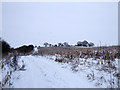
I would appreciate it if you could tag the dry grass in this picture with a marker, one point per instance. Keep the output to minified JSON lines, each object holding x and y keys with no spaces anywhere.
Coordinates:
{"x":105,"y":57}
{"x":105,"y":53}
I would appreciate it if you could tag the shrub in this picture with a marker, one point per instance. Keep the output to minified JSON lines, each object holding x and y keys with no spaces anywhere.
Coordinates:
{"x":5,"y":47}
{"x":25,"y":49}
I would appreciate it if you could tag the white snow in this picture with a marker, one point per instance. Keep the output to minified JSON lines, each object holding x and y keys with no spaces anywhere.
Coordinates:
{"x":45,"y":73}
{"x":35,"y":51}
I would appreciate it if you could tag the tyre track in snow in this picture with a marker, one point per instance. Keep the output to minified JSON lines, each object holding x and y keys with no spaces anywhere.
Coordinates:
{"x":45,"y":66}
{"x":45,"y":73}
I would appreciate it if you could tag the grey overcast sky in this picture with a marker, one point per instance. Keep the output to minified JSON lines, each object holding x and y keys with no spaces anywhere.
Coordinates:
{"x":39,"y":22}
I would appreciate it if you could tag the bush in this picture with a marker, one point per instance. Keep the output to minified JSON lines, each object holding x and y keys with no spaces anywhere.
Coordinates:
{"x":85,"y":44}
{"x":25,"y":49}
{"x":5,"y":47}
{"x":91,"y":44}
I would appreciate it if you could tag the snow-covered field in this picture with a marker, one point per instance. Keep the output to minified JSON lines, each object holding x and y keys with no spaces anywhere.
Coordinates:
{"x":44,"y":72}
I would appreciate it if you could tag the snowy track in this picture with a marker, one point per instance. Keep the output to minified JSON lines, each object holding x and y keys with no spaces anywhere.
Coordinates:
{"x":44,"y":73}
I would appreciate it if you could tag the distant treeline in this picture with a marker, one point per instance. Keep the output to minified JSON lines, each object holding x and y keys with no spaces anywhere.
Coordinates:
{"x":6,"y":48}
{"x":79,"y":43}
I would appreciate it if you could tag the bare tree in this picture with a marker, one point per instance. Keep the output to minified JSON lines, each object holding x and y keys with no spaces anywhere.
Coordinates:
{"x":65,"y":44}
{"x":79,"y":43}
{"x":50,"y":45}
{"x":60,"y":44}
{"x":46,"y":44}
{"x":91,"y":44}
